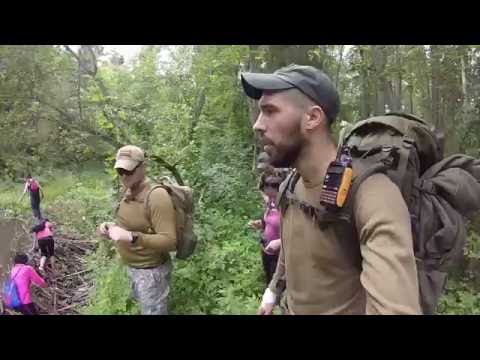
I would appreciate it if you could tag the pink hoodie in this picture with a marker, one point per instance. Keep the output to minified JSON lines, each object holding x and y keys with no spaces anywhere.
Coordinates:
{"x":46,"y":232}
{"x":24,"y":276}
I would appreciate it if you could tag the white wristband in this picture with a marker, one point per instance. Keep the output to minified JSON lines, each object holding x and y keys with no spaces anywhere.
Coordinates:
{"x":269,"y":297}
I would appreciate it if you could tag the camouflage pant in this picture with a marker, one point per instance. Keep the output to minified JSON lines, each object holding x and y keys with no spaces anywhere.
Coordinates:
{"x":151,"y":287}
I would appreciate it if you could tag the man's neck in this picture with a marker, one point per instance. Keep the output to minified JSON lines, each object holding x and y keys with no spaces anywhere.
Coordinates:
{"x":137,"y":188}
{"x":314,"y":160}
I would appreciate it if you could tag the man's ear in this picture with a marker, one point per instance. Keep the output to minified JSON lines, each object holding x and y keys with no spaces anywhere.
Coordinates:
{"x":315,"y":117}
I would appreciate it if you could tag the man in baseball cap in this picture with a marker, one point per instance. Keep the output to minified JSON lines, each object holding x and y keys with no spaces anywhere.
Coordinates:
{"x":143,"y":238}
{"x":322,"y":271}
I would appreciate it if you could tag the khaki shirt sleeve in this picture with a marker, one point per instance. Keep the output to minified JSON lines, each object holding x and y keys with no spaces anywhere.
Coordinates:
{"x":389,"y":273}
{"x":162,"y":215}
{"x":277,"y":284}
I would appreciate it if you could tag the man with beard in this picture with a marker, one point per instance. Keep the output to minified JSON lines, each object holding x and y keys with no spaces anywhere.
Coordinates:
{"x":324,"y":273}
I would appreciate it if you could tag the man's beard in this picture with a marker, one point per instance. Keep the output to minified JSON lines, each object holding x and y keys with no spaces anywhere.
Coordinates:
{"x":285,"y":155}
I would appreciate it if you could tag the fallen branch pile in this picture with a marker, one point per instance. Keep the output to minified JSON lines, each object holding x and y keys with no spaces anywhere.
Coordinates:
{"x":69,"y":285}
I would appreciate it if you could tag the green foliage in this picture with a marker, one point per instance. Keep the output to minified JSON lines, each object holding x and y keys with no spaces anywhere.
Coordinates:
{"x":459,"y":299}
{"x":461,"y":295}
{"x":225,"y":275}
{"x":112,"y":292}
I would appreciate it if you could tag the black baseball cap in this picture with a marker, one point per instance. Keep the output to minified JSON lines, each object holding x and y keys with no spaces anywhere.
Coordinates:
{"x":310,"y":81}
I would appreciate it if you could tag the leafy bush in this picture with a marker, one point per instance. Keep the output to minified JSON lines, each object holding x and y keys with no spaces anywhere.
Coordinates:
{"x":112,"y":293}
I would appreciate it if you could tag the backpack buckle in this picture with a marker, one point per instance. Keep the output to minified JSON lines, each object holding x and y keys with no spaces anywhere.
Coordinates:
{"x":307,"y":209}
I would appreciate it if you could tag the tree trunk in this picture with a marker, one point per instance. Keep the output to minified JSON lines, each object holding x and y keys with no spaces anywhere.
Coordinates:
{"x":397,"y":97}
{"x":383,"y":87}
{"x":252,"y":66}
{"x":197,"y":111}
{"x":365,"y":98}
{"x":399,"y":104}
{"x":410,"y":91}
{"x":435,"y":86}
{"x":321,"y":61}
{"x":339,"y":66}
{"x":423,"y":74}
{"x":79,"y":93}
{"x":464,"y":61}
{"x":33,"y":92}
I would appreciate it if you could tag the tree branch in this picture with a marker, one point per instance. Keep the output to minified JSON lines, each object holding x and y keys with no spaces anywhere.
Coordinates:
{"x":72,"y":53}
{"x":75,"y":125}
{"x":172,"y":168}
{"x":93,"y":58}
{"x":197,"y":111}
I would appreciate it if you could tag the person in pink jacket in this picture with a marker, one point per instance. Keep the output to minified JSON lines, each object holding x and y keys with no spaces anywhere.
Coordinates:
{"x":24,"y":276}
{"x":43,"y":238}
{"x":32,"y":186}
{"x":269,"y":224}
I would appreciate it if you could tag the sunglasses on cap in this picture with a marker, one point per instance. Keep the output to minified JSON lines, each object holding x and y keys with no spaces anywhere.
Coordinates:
{"x":122,"y":172}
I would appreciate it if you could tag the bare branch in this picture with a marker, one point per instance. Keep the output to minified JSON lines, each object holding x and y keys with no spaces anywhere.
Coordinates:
{"x":172,"y":168}
{"x":69,"y":49}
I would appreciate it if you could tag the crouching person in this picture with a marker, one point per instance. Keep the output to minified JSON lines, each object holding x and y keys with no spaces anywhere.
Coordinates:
{"x":16,"y":294}
{"x":144,"y":232}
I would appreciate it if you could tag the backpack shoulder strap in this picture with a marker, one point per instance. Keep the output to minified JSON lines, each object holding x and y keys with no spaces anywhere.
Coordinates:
{"x":12,"y":278}
{"x":117,"y":206}
{"x":359,"y":178}
{"x":287,"y":197}
{"x":287,"y":186}
{"x":147,"y":201}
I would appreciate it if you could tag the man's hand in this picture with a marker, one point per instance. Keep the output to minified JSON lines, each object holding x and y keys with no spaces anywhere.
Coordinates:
{"x":268,"y":303}
{"x":116,"y":233}
{"x":273,"y":247}
{"x":266,"y":309}
{"x":103,"y":229}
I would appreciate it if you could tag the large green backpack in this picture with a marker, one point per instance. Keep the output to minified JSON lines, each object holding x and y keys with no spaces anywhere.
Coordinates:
{"x":439,"y":192}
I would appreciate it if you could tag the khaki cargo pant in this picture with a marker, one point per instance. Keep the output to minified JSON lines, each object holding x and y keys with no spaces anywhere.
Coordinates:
{"x":150,"y":288}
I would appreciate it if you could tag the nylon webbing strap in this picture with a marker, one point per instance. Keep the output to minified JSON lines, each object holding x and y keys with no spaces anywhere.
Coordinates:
{"x":321,"y":215}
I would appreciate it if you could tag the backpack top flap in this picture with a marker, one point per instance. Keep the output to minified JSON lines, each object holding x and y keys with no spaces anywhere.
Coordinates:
{"x":457,"y":180}
{"x":405,"y":125}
